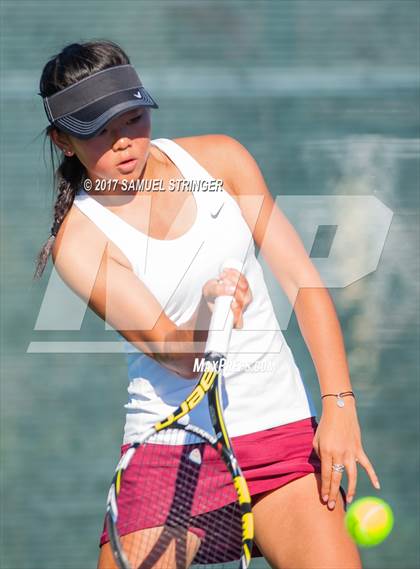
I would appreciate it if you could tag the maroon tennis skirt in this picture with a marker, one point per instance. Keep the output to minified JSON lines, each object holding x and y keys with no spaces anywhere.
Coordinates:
{"x":269,"y":459}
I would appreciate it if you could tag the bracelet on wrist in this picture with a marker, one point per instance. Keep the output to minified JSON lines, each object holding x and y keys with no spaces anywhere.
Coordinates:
{"x":340,"y":396}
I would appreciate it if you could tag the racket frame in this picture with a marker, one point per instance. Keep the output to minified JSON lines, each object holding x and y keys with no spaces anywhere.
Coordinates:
{"x":209,"y":384}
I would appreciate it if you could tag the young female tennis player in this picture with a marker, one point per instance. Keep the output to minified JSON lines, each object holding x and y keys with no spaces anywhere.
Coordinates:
{"x":148,"y":262}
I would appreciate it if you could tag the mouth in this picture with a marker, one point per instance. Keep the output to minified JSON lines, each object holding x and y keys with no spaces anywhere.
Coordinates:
{"x":127,"y":166}
{"x":126,"y":161}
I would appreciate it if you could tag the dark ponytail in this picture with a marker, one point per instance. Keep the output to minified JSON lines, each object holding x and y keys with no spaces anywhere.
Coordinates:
{"x":75,"y":62}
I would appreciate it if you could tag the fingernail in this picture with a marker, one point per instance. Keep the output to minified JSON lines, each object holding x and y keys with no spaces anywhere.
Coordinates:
{"x":325,"y":498}
{"x":349,"y":499}
{"x":331,"y":504}
{"x":231,"y":288}
{"x":377,"y":485}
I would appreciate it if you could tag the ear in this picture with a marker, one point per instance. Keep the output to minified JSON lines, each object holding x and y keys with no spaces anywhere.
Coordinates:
{"x":62,"y":140}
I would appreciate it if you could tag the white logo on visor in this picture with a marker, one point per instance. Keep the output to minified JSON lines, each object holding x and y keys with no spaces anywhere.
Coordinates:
{"x":138,"y":95}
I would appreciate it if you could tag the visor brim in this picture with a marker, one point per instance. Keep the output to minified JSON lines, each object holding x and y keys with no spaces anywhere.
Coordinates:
{"x":89,"y":121}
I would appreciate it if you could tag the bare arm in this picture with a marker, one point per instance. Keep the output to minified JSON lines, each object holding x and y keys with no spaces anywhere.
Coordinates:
{"x":338,"y":437}
{"x":283,"y":250}
{"x":85,"y":261}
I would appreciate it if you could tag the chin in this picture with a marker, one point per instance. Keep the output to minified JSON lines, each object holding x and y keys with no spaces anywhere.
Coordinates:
{"x":129,"y":177}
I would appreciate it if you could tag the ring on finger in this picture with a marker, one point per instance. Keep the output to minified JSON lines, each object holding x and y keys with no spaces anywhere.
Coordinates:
{"x":338,"y":467}
{"x":219,"y":281}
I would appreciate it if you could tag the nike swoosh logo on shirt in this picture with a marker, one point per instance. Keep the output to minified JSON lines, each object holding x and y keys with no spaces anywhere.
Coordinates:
{"x":214,"y":215}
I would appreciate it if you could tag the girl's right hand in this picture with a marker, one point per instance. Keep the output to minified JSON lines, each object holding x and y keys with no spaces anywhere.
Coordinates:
{"x":230,"y":282}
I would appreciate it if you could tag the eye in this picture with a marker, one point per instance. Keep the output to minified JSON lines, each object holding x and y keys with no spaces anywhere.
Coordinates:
{"x":137,"y":118}
{"x":133,"y":120}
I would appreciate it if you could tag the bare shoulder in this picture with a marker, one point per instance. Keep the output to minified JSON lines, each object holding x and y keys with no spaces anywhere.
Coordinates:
{"x":81,"y":251}
{"x":221,"y":155}
{"x":78,"y":237}
{"x":74,"y":236}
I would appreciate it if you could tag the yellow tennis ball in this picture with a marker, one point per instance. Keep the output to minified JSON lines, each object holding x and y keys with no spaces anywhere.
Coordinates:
{"x":369,"y":521}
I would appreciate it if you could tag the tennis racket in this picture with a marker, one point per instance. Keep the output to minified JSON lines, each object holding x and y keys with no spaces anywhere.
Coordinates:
{"x":193,"y":504}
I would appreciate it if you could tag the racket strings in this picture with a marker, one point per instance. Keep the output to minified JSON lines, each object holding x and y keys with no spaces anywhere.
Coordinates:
{"x":177,"y":505}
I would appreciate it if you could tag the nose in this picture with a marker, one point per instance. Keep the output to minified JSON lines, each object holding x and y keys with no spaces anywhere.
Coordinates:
{"x":120,"y":142}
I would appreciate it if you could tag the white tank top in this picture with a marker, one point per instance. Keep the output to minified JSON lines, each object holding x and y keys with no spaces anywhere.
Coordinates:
{"x":263,"y":387}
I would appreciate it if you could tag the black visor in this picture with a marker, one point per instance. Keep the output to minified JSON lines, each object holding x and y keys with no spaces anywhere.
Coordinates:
{"x":84,"y":108}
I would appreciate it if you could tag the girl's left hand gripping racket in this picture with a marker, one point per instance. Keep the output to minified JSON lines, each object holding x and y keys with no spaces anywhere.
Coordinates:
{"x":192,"y":501}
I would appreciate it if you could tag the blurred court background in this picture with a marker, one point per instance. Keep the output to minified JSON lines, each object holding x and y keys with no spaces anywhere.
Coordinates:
{"x":325,"y":94}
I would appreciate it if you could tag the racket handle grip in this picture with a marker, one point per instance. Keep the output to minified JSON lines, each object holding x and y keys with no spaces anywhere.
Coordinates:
{"x":221,"y":323}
